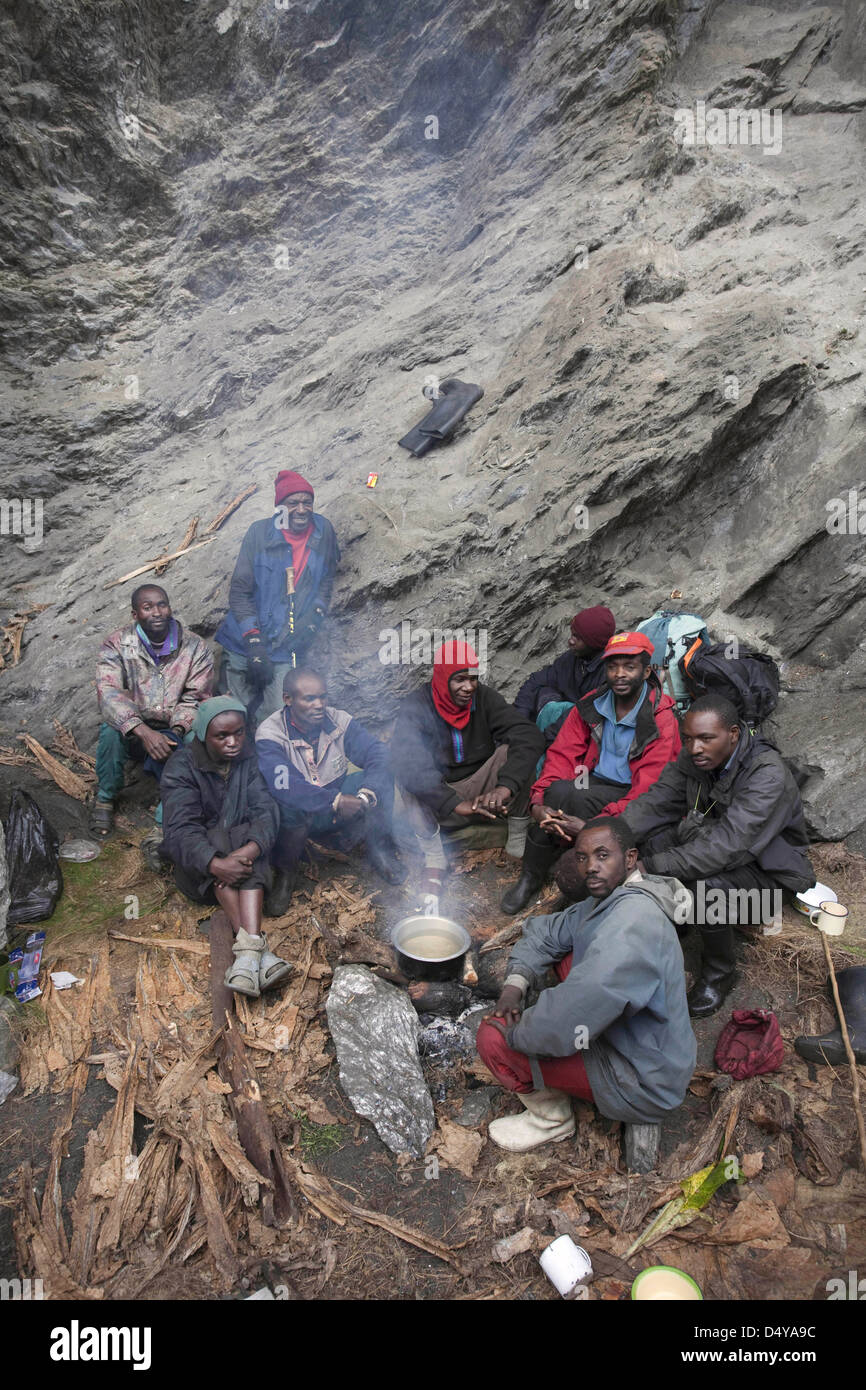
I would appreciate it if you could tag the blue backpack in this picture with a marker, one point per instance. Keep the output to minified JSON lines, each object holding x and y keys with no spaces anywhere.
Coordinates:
{"x":674,"y":636}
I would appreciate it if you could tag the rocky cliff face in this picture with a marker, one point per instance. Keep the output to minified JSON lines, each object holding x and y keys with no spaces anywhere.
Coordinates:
{"x":238,"y":238}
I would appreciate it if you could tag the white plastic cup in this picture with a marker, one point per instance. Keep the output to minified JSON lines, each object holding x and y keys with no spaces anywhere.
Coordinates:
{"x":565,"y":1264}
{"x":829,"y":918}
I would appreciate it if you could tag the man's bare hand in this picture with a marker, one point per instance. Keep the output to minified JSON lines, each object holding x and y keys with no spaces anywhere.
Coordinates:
{"x":473,"y":808}
{"x":495,"y":801}
{"x":155,"y":743}
{"x":509,"y":1005}
{"x":229,"y":870}
{"x":557,"y":823}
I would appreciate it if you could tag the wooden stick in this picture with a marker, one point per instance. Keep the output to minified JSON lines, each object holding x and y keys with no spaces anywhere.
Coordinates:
{"x":189,"y":537}
{"x":852,"y":1062}
{"x":160,"y":560}
{"x":231,"y":507}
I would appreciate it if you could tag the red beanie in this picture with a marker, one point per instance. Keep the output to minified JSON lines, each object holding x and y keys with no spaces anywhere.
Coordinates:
{"x":288,"y":482}
{"x":594,"y":626}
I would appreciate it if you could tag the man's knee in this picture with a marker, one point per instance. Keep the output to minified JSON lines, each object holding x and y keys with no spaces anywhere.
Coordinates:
{"x":491,"y":1044}
{"x":559,"y":795}
{"x":721,"y":899}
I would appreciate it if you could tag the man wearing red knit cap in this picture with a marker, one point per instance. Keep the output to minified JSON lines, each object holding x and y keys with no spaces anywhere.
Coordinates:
{"x":465,"y":755}
{"x":279,"y":594}
{"x":548,"y":694}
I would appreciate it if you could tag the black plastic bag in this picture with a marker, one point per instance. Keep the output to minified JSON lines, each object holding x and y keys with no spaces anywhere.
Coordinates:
{"x":35,"y":880}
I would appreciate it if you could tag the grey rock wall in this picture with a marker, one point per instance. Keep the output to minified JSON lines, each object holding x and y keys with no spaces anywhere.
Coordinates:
{"x":229,"y":248}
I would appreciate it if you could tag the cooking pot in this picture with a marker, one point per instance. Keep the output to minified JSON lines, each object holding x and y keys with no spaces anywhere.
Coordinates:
{"x":430,"y":948}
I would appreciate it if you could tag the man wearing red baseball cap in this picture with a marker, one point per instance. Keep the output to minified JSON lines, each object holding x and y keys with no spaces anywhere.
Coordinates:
{"x":279,"y":594}
{"x":613,"y":746}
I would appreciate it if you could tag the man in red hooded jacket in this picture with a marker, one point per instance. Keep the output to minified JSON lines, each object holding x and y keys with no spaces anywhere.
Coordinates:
{"x":462,"y":754}
{"x":612,"y":747}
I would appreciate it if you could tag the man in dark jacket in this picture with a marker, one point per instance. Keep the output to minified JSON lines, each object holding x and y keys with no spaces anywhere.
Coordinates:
{"x":615,"y":1029}
{"x":463,"y":755}
{"x":304,"y":751}
{"x":549,"y":693}
{"x":279,"y":594}
{"x":219,"y":825}
{"x":612,"y":746}
{"x":725,"y":818}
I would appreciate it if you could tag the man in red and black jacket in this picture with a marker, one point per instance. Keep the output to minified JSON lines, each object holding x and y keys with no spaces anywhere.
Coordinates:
{"x":613,"y":746}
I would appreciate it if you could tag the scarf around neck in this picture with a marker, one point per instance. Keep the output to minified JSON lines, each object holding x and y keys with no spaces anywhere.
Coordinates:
{"x":169,"y":644}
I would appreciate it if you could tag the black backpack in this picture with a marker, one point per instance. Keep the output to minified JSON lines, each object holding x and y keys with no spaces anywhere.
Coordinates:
{"x":750,"y":680}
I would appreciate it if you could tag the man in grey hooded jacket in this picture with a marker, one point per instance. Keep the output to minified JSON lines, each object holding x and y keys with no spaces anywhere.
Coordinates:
{"x":615,"y":1029}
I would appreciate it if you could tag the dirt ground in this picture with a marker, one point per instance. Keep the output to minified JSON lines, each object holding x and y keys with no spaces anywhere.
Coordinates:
{"x":121,"y":1174}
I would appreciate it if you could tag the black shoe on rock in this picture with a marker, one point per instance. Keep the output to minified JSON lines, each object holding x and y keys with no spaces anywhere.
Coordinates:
{"x":521,"y":893}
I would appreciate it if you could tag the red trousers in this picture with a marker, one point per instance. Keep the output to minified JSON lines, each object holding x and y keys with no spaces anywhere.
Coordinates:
{"x":512,"y":1069}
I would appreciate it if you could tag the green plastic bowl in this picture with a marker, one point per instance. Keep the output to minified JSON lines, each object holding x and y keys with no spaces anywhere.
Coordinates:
{"x":691,"y":1294}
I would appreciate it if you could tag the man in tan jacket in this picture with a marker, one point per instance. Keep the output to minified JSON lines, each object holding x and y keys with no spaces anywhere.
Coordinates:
{"x":151,"y":677}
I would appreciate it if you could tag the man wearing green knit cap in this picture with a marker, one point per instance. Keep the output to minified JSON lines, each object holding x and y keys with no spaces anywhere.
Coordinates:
{"x":219,"y":825}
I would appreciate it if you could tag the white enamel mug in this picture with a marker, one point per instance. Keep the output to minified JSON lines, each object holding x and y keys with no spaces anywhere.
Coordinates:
{"x":829,"y":918}
{"x":565,"y":1264}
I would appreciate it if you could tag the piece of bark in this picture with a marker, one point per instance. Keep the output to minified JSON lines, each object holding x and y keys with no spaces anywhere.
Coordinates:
{"x":328,"y":1201}
{"x":518,"y":1244}
{"x":255,"y":1131}
{"x":168,"y":943}
{"x":66,"y":780}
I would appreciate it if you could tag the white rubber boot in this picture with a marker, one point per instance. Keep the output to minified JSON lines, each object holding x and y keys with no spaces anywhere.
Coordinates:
{"x":243,"y":974}
{"x":516,"y":842}
{"x":549,"y":1117}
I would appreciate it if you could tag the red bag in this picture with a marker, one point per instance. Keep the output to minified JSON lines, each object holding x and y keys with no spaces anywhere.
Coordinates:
{"x":750,"y":1044}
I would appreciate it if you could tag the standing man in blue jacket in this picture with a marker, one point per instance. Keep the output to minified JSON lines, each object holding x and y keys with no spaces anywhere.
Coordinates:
{"x":304,"y":752}
{"x":279,"y":593}
{"x":615,"y":1030}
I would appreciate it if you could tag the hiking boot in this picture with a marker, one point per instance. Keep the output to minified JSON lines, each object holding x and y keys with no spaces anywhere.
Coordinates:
{"x":549,"y":1116}
{"x":718,"y":972}
{"x":830,"y":1047}
{"x":278,"y":899}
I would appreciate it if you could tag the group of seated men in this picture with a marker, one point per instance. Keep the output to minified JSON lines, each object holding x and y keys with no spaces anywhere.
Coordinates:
{"x":649,"y":826}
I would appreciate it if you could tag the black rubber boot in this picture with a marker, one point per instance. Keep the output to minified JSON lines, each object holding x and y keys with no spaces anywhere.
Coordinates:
{"x":278,"y":900}
{"x":382,"y":854}
{"x":829,"y":1047}
{"x":535,"y":866}
{"x":718,"y":971}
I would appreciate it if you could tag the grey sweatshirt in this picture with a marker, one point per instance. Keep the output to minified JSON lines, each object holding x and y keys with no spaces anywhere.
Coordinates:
{"x":626,"y":989}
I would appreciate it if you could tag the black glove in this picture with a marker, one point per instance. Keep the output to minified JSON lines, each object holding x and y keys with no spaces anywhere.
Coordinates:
{"x":260,"y":668}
